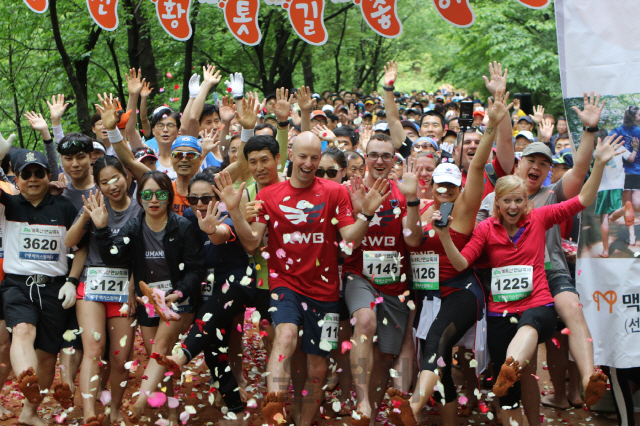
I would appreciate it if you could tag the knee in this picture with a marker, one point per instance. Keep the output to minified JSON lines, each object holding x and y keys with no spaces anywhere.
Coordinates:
{"x":366,"y":322}
{"x":317,"y":368}
{"x":287,"y":335}
{"x":24,"y":331}
{"x":93,"y":350}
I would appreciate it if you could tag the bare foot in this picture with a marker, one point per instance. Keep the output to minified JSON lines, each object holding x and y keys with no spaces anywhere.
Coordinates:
{"x":116,"y":416}
{"x":95,"y":420}
{"x":28,"y":384}
{"x":332,"y":382}
{"x":556,"y":401}
{"x":165,"y":361}
{"x":595,"y":388}
{"x":133,"y":413}
{"x":400,"y":403}
{"x":273,"y":408}
{"x":509,"y":374}
{"x":345,"y":408}
{"x":30,"y":418}
{"x":604,"y":254}
{"x":362,"y":420}
{"x":63,"y":395}
{"x":173,"y":417}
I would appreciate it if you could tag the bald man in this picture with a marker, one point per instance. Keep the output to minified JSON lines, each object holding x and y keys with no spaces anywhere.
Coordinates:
{"x":305,"y":217}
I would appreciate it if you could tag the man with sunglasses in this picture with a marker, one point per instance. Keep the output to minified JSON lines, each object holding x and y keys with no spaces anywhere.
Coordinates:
{"x":378,"y":269}
{"x":36,"y":292}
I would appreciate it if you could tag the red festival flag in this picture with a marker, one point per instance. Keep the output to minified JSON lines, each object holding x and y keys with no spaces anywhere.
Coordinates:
{"x":38,"y":6}
{"x":241,"y":17}
{"x":535,"y":4}
{"x":456,"y":12}
{"x":174,"y":17}
{"x":382,"y":17}
{"x":307,"y":19}
{"x":104,"y":13}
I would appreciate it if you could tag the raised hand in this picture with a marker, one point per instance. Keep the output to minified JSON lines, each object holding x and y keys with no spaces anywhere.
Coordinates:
{"x":227,"y":109}
{"x":635,"y":143}
{"x":283,"y":104}
{"x":146,"y":91}
{"x":352,"y":113}
{"x":375,"y":197}
{"x":5,"y":144}
{"x":210,"y":76}
{"x":108,"y":111}
{"x":516,"y":104}
{"x":36,"y":121}
{"x":546,"y":130}
{"x":250,"y":108}
{"x":590,"y":115}
{"x":97,"y":209}
{"x":440,"y":230}
{"x":390,"y":73}
{"x":57,"y":107}
{"x":356,"y":192}
{"x":134,"y":82}
{"x":324,"y":133}
{"x":605,"y":151}
{"x":209,"y":139}
{"x":499,"y":108}
{"x":409,"y":185}
{"x":209,"y":221}
{"x":235,"y":85}
{"x":225,"y":191}
{"x":194,"y":86}
{"x":304,"y":98}
{"x":538,"y":113}
{"x":498,"y":79}
{"x":365,"y":134}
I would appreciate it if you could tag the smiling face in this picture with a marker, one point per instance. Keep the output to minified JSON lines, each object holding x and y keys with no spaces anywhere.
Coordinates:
{"x":201,"y":188}
{"x":263,"y":166}
{"x":533,"y":169}
{"x":112,"y":184}
{"x":184,"y":166}
{"x":512,"y":206}
{"x":34,"y":188}
{"x":166,"y":130}
{"x":355,"y":167}
{"x":424,"y":171}
{"x":328,"y":163}
{"x":445,"y":192}
{"x":100,"y":131}
{"x":78,"y":166}
{"x":305,"y":156}
{"x":469,"y":147}
{"x":521,"y":143}
{"x":378,"y":166}
{"x":524,"y":125}
{"x":233,"y":150}
{"x":432,"y":126}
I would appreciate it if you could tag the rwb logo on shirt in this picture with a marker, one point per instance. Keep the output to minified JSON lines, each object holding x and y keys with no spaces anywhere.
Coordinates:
{"x":304,"y":212}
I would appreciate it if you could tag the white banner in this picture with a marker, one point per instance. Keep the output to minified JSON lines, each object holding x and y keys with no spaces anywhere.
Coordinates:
{"x":598,"y":53}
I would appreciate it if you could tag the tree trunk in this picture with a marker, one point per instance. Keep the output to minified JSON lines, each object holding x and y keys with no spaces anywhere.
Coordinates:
{"x":140,"y":50}
{"x":120,"y":89}
{"x":307,"y":70}
{"x":188,"y":58}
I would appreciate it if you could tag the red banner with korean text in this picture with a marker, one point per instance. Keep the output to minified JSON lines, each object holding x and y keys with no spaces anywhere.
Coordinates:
{"x":307,"y":19}
{"x":535,"y":4}
{"x":174,"y":17}
{"x":241,"y":17}
{"x":38,"y":6}
{"x":457,"y":13}
{"x":382,"y":17}
{"x":104,"y":13}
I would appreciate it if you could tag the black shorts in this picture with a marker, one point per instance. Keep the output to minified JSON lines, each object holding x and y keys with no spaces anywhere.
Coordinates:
{"x":560,"y":283}
{"x":631,"y":181}
{"x":306,"y":313}
{"x":22,"y":305}
{"x":262,"y":303}
{"x":343,"y":309}
{"x":72,"y":324}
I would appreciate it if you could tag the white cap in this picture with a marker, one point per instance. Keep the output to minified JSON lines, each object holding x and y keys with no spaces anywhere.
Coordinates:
{"x":327,"y":108}
{"x":447,"y":173}
{"x":527,"y":134}
{"x":381,"y":127}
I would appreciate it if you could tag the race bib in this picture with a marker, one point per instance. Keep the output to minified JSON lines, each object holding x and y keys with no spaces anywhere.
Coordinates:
{"x":547,"y":259}
{"x":510,"y":283}
{"x":40,"y":242}
{"x":207,"y":287}
{"x":330,"y":328}
{"x":179,"y":308}
{"x":426,"y":271}
{"x":381,"y":267}
{"x":107,"y":285}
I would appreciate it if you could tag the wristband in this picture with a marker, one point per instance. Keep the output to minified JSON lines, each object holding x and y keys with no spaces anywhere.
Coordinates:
{"x":389,"y":89}
{"x":366,"y":218}
{"x":73,"y":281}
{"x":283,"y":124}
{"x":214,"y":231}
{"x":114,"y":136}
{"x":246,"y":134}
{"x":48,"y":141}
{"x":590,"y":129}
{"x":237,"y":98}
{"x":415,"y":203}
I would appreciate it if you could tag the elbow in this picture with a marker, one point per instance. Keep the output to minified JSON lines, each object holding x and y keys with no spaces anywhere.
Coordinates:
{"x":413,"y":241}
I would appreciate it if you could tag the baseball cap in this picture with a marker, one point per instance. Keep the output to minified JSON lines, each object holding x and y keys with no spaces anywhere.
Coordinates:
{"x":316,"y":96}
{"x":144,"y":153}
{"x":367,"y":114}
{"x":317,"y":113}
{"x":272,"y":116}
{"x":478,"y":112}
{"x":564,"y":157}
{"x":537,"y":148}
{"x":439,"y":98}
{"x":369,"y":101}
{"x":23,"y":157}
{"x":450,"y":132}
{"x":447,"y":172}
{"x":410,"y":124}
{"x":327,"y":108}
{"x":526,"y":118}
{"x":98,"y":146}
{"x":527,"y":134}
{"x":382,"y":126}
{"x":426,"y":139}
{"x":271,"y":96}
{"x":187,"y":141}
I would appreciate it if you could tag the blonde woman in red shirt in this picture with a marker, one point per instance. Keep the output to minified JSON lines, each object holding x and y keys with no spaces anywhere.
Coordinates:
{"x":520,"y":312}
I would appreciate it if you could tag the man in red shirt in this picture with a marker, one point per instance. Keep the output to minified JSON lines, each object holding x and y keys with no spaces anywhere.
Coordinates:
{"x":376,"y":274}
{"x":305,"y":217}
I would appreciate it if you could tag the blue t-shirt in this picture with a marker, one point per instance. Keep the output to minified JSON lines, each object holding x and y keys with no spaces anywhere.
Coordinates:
{"x":628,"y":133}
{"x":152,"y":143}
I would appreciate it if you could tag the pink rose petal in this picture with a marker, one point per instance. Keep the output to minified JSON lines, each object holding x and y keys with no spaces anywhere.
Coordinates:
{"x":172,"y":402}
{"x":346,"y":346}
{"x":280,"y":253}
{"x":157,"y":399}
{"x":105,"y":397}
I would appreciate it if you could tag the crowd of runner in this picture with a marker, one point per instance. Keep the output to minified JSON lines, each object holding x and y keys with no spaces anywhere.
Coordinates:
{"x":370,"y":235}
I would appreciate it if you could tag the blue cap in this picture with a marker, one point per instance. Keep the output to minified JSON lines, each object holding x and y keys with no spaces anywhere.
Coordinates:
{"x":565,"y":156}
{"x":189,"y":141}
{"x":427,"y":139}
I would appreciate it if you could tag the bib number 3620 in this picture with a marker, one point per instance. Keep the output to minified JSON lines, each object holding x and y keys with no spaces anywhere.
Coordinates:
{"x":40,"y":242}
{"x":511,"y":283}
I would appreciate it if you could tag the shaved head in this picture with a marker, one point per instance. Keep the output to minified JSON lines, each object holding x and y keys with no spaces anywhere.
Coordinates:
{"x":305,"y":158}
{"x":307,"y":141}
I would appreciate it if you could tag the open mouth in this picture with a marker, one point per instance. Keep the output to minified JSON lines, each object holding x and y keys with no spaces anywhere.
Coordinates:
{"x":512,"y":214}
{"x":115,"y":194}
{"x":533,"y":176}
{"x":306,"y":172}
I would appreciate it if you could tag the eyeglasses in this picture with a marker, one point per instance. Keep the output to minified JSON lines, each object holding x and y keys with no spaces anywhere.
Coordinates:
{"x":206,"y":199}
{"x":184,"y":154}
{"x":399,"y":161}
{"x":39,"y":174}
{"x":83,"y":145}
{"x":161,"y":194}
{"x":426,"y":145}
{"x":144,"y":151}
{"x":331,"y":173}
{"x":168,"y":126}
{"x":386,"y":157}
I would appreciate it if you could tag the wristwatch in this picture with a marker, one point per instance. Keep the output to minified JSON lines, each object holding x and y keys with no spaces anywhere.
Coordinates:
{"x":590,"y":129}
{"x":389,"y":89}
{"x":73,"y":281}
{"x":415,"y":203}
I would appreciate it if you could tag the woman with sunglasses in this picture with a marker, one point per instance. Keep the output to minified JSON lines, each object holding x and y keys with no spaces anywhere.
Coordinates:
{"x":229,"y":289}
{"x":460,"y":294}
{"x":165,"y":254}
{"x":333,"y":165}
{"x":104,"y":294}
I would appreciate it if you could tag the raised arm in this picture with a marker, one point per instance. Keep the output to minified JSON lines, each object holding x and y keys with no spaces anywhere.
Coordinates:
{"x":409,"y":188}
{"x":248,"y":121}
{"x":227,"y":111}
{"x":353,"y":234}
{"x":199,"y":92}
{"x":283,"y":110}
{"x":504,"y":142}
{"x":458,"y":261}
{"x":393,"y":116}
{"x":38,"y":123}
{"x":57,"y":107}
{"x":134,"y":85}
{"x":604,"y":152}
{"x":305,"y":101}
{"x":573,"y":180}
{"x":144,"y":117}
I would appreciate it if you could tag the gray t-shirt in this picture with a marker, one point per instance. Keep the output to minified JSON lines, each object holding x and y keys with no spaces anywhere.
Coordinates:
{"x":116,"y":221}
{"x":547,"y":195}
{"x":74,"y":196}
{"x":155,"y":262}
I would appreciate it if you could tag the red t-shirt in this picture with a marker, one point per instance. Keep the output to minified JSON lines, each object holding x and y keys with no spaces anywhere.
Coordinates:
{"x":303,"y":242}
{"x":491,"y":239}
{"x":488,"y":186}
{"x":384,"y":234}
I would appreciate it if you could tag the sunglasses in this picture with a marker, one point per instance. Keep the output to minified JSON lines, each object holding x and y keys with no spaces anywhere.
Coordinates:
{"x":161,"y":195}
{"x":183,"y":154}
{"x":206,"y":199}
{"x":142,"y":152}
{"x":331,"y":173}
{"x":83,"y":145}
{"x":39,"y":174}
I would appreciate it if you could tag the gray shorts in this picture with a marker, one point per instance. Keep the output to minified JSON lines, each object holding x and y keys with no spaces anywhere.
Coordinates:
{"x":360,"y":294}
